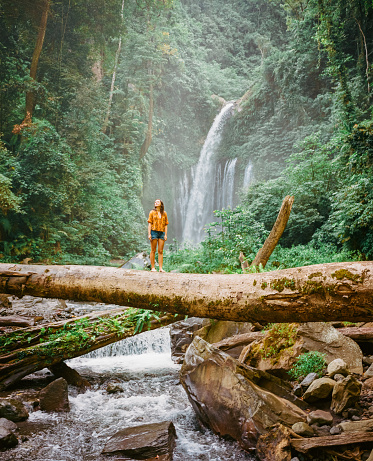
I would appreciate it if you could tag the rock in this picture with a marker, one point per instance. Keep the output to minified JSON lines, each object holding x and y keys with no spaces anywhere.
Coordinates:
{"x":319,"y":417}
{"x":335,"y":430}
{"x":345,"y":394}
{"x":370,"y":457}
{"x":319,"y":336}
{"x":297,"y":390}
{"x":368,"y":384}
{"x":321,"y":431}
{"x":311,"y":336}
{"x":295,"y":459}
{"x":338,"y":377}
{"x":114,"y":387}
{"x":368,"y":360}
{"x":274,"y":445}
{"x":139,"y":261}
{"x":369,"y":372}
{"x":337,"y":366}
{"x":55,"y":397}
{"x":365,"y":425}
{"x":226,"y":397}
{"x":308,"y":380}
{"x":303,"y":429}
{"x":181,"y":334}
{"x":13,"y":409}
{"x":145,"y":441}
{"x":320,"y":389}
{"x":7,"y":437}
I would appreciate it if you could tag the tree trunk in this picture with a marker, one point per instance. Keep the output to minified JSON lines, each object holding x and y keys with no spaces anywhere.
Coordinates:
{"x":277,"y":230}
{"x":117,"y":54}
{"x":30,"y":95}
{"x":148,"y":137}
{"x":323,"y":292}
{"x":27,"y":350}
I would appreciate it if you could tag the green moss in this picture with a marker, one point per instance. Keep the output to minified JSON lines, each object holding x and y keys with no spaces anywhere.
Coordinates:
{"x":345,"y":274}
{"x":254,"y":283}
{"x":311,"y":286}
{"x":264,"y":285}
{"x":315,"y":274}
{"x":280,"y":284}
{"x":279,"y":339}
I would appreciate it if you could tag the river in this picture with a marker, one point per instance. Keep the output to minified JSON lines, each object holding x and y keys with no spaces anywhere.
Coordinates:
{"x":151,"y":393}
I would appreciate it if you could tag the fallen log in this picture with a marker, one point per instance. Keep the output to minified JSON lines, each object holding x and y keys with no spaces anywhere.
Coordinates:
{"x":304,"y":445}
{"x":25,"y":351}
{"x":238,"y":340}
{"x":358,"y":334}
{"x":324,"y":292}
{"x":16,"y":321}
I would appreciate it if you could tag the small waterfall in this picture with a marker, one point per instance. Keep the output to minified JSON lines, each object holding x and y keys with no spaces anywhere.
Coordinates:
{"x":228,"y":184}
{"x":201,"y":200}
{"x":247,"y":179}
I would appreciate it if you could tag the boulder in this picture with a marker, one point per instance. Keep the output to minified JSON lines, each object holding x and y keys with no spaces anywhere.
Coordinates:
{"x":181,"y":335}
{"x":320,"y":389}
{"x":311,"y":336}
{"x":337,"y":366}
{"x":114,"y":387}
{"x":154,"y":440}
{"x":13,"y":409}
{"x":7,"y":437}
{"x":320,"y":417}
{"x":275,"y":444}
{"x":55,"y":396}
{"x":321,"y":337}
{"x":345,"y":394}
{"x":227,"y":396}
{"x":139,"y":261}
{"x":369,"y":372}
{"x":308,"y":380}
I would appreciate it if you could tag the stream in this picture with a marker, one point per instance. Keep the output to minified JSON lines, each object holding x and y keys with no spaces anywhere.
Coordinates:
{"x":151,"y":393}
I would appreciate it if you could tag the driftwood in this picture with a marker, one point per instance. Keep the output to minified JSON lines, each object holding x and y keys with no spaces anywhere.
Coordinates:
{"x":277,"y":230}
{"x":238,"y":340}
{"x":323,"y":292}
{"x":25,"y":351}
{"x":358,"y":334}
{"x":347,"y":438}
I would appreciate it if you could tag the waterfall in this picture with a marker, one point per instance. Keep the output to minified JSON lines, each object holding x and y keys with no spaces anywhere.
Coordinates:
{"x":228,"y":183}
{"x":201,"y":200}
{"x":247,"y":179}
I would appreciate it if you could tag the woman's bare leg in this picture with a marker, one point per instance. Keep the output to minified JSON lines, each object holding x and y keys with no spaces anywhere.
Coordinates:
{"x":160,"y":254}
{"x":153,"y":245}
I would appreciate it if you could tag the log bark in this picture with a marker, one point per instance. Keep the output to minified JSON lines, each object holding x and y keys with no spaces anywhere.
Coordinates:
{"x":35,"y":348}
{"x":277,"y":230}
{"x":324,"y":292}
{"x":16,"y":321}
{"x":238,"y":340}
{"x":30,"y":95}
{"x":304,"y":445}
{"x":358,"y":334}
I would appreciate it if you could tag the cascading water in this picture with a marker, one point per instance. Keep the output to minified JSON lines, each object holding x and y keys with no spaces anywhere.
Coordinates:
{"x":247,"y":179}
{"x":228,"y":183}
{"x":201,"y":200}
{"x":151,"y":393}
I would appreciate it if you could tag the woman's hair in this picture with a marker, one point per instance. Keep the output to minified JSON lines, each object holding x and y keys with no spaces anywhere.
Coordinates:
{"x":162,"y":206}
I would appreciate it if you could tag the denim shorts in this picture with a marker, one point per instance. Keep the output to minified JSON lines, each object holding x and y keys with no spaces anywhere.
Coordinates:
{"x":157,"y":235}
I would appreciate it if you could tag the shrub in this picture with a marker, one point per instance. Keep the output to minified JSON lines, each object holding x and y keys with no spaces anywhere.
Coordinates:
{"x":310,"y":362}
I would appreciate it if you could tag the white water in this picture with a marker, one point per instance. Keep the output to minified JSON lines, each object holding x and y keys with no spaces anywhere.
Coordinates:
{"x":200,"y":207}
{"x":152,"y":393}
{"x":227,"y":189}
{"x":248,"y":175}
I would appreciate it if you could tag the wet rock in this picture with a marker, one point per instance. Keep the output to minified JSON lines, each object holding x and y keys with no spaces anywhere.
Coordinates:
{"x":338,"y":377}
{"x":114,"y":387}
{"x":320,"y":389}
{"x":303,"y":429}
{"x":181,"y":334}
{"x":225,"y":397}
{"x":139,"y":261}
{"x":319,"y":417}
{"x":61,"y":370}
{"x":13,"y":409}
{"x":365,"y":425}
{"x":143,"y":442}
{"x":55,"y":396}
{"x":275,"y":444}
{"x":7,"y":437}
{"x":345,"y":394}
{"x":321,"y":431}
{"x":337,"y":366}
{"x":297,"y":390}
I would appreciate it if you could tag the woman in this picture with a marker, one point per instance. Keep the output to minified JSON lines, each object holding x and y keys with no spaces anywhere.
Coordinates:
{"x":157,"y":233}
